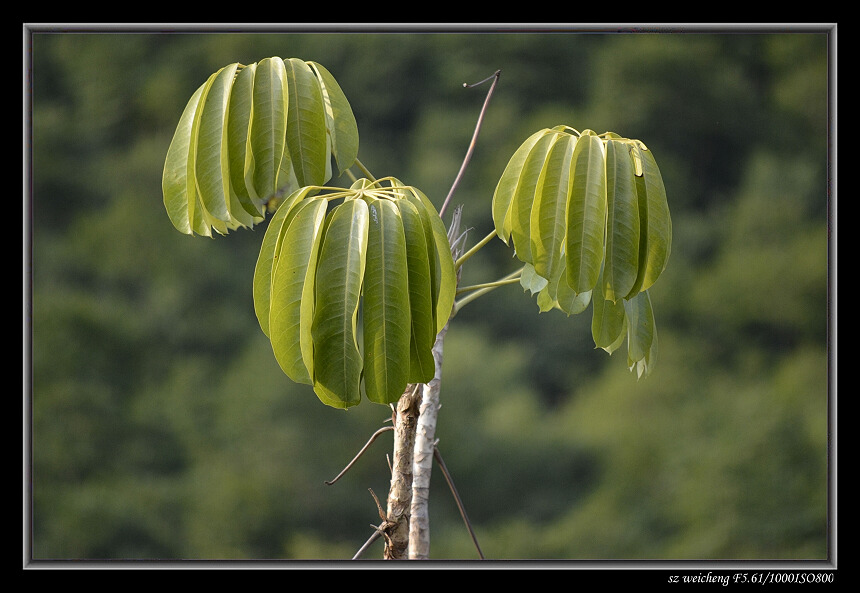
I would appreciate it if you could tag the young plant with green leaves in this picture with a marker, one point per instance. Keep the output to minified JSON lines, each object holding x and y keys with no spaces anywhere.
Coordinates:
{"x":355,"y":287}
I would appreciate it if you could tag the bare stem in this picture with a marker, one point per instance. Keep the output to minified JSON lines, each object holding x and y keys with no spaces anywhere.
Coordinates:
{"x":438,"y":457}
{"x":465,"y":257}
{"x":511,"y":278}
{"x":364,"y":170}
{"x":468,"y":157}
{"x":360,"y":453}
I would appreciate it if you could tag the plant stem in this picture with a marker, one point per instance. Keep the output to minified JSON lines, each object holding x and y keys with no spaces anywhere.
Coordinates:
{"x":460,"y":261}
{"x":495,"y":284}
{"x":469,"y":152}
{"x":479,"y":290}
{"x":364,"y":170}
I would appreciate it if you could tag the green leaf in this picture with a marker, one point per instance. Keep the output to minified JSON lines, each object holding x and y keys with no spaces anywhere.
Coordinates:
{"x":532,"y":173}
{"x":586,"y":214}
{"x":641,"y":329}
{"x":386,"y":313}
{"x":508,"y":184}
{"x":531,"y":281}
{"x":268,"y":130}
{"x":655,"y":222}
{"x":306,"y":124}
{"x":565,"y":298}
{"x":548,"y":222}
{"x":622,"y":229}
{"x":422,"y":366}
{"x":340,"y":120}
{"x":269,"y":251}
{"x":241,"y":158}
{"x":608,"y":322}
{"x":177,"y":182}
{"x":444,"y":278}
{"x":211,"y":164}
{"x":292,"y":298}
{"x":337,"y":360}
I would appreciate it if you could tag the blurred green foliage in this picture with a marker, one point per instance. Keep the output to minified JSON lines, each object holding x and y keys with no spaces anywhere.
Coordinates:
{"x":162,"y":427}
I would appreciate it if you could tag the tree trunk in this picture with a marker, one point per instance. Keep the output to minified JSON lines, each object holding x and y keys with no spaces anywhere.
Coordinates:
{"x":400,"y":494}
{"x":425,"y":443}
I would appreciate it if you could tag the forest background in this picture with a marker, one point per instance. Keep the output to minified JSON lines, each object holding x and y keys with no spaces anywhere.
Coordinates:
{"x":159,"y":425}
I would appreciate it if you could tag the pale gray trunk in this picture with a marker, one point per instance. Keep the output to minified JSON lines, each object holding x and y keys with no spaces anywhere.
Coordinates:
{"x":422,"y":466}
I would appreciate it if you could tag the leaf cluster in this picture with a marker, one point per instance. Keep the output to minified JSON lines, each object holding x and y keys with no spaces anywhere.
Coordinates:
{"x":353,"y":295}
{"x":589,"y":218}
{"x":250,"y":133}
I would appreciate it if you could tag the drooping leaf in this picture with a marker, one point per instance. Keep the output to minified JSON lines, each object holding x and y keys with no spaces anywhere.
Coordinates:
{"x":292,"y":293}
{"x":640,"y":326}
{"x":306,"y":124}
{"x":586,"y":214}
{"x":566,"y":299}
{"x":531,"y":281}
{"x":250,"y":134}
{"x":268,"y":129}
{"x":548,"y":214}
{"x":211,"y":164}
{"x":269,"y":250}
{"x":423,"y":328}
{"x":176,"y":182}
{"x":608,"y":323}
{"x":524,"y":196}
{"x":622,"y":223}
{"x":508,"y":184}
{"x":340,"y":119}
{"x":655,"y":221}
{"x":386,"y":313}
{"x":337,"y":359}
{"x":240,"y":156}
{"x":445,"y":278}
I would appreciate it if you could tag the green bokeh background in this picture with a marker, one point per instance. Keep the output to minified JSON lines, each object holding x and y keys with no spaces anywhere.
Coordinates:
{"x":161,"y":427}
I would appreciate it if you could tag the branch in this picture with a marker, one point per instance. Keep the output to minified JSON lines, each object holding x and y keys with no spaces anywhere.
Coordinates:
{"x":359,"y":454}
{"x":463,"y":258}
{"x":468,"y":157}
{"x":511,"y":278}
{"x":438,"y":456}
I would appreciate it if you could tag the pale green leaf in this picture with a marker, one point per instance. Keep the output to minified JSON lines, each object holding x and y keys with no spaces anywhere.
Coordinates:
{"x":385,"y":313}
{"x":176,"y":183}
{"x":269,"y":250}
{"x":656,"y":222}
{"x":423,"y":329}
{"x":444,"y":278}
{"x":238,"y":125}
{"x":524,"y":196}
{"x":608,"y":323}
{"x":337,"y":360}
{"x":622,"y":227}
{"x":531,"y":281}
{"x":640,"y":326}
{"x":340,"y":120}
{"x":211,"y":163}
{"x":292,"y":293}
{"x":269,"y":125}
{"x":507,"y":186}
{"x":306,"y":124}
{"x":548,"y":215}
{"x":586,"y":214}
{"x":566,"y":299}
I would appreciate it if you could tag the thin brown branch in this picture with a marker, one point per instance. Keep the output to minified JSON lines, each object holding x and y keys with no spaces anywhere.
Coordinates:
{"x":469,"y":152}
{"x":438,"y":457}
{"x":378,"y":531}
{"x":360,"y":453}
